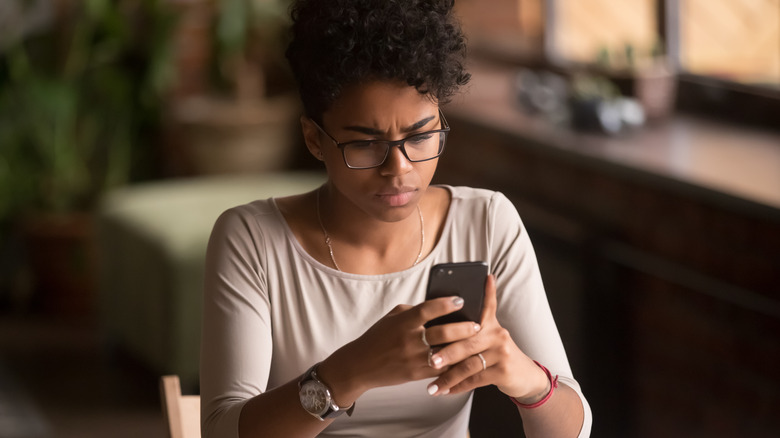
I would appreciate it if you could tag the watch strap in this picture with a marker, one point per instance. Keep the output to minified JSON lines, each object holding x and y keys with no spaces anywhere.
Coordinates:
{"x":333,"y":410}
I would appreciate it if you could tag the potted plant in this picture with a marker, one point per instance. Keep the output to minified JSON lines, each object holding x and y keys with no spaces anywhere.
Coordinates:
{"x":645,"y":75}
{"x":78,"y":101}
{"x":246,"y":121}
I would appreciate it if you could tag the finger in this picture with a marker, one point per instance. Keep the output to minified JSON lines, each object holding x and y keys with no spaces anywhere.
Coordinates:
{"x":491,"y":303}
{"x":453,"y":332}
{"x":424,"y":337}
{"x":459,"y":351}
{"x":399,"y":309}
{"x":481,"y":378}
{"x":470,"y":371}
{"x":432,"y":309}
{"x":473,"y":382}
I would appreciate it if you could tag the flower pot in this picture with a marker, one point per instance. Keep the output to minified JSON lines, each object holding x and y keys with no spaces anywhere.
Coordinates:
{"x":61,"y":256}
{"x":654,"y":88}
{"x":218,"y":136}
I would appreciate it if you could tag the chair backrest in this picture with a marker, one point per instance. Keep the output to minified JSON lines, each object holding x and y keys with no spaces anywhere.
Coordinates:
{"x":181,"y":412}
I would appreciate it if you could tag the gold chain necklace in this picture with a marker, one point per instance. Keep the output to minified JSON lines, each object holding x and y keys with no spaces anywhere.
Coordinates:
{"x":330,"y":248}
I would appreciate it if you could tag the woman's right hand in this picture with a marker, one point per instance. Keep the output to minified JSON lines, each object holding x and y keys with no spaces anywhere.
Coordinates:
{"x":392,"y":351}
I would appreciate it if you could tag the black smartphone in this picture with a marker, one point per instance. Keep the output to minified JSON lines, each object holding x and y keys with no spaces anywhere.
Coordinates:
{"x":463,"y":279}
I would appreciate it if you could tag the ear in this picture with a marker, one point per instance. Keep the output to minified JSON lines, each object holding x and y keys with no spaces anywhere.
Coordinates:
{"x":311,"y":135}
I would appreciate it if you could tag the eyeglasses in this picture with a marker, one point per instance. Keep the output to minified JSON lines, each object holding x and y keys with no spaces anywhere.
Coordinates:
{"x":367,"y":154}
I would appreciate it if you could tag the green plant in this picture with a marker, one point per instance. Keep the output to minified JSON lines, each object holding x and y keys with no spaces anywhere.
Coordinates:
{"x":78,"y":101}
{"x":586,"y":86}
{"x":631,"y":57}
{"x":249,"y":44}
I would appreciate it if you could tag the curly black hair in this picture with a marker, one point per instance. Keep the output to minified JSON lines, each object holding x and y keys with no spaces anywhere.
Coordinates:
{"x":337,"y":43}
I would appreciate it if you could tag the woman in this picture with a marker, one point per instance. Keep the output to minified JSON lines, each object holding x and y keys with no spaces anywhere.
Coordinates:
{"x":314,"y":304}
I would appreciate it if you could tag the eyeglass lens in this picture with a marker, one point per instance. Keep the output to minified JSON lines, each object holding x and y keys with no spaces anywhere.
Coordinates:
{"x":421,"y":147}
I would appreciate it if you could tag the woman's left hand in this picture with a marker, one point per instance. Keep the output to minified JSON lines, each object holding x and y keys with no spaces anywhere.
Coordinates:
{"x":504,"y":365}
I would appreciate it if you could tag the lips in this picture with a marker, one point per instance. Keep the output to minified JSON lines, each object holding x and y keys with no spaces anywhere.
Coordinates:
{"x":397,"y":197}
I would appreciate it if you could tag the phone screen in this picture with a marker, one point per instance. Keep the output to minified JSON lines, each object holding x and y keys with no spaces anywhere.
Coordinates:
{"x":463,"y":279}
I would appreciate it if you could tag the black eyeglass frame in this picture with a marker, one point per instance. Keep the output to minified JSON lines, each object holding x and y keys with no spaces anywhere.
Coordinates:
{"x":391,"y":143}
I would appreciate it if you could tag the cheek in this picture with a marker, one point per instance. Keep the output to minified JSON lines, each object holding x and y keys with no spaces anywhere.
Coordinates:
{"x":426,"y":170}
{"x":350,"y":182}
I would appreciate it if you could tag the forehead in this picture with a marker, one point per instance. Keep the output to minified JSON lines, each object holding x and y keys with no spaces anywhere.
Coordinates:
{"x":380,"y":103}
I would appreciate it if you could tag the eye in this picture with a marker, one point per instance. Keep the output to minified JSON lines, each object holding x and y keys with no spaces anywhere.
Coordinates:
{"x":367,"y":144}
{"x":420,"y":138}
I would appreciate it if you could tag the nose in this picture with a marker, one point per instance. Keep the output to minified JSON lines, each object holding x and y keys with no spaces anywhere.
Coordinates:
{"x":396,"y":163}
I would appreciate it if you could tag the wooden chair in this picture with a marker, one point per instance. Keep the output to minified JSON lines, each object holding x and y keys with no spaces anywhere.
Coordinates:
{"x":181,"y":412}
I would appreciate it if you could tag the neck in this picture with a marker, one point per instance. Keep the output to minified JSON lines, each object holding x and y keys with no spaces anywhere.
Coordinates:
{"x":367,"y":239}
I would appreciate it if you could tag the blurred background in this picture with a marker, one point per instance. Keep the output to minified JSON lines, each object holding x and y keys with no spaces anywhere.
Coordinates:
{"x":639,"y":139}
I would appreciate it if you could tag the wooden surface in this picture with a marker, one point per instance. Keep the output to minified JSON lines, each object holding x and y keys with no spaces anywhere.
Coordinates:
{"x":660,"y":253}
{"x":718,"y":162}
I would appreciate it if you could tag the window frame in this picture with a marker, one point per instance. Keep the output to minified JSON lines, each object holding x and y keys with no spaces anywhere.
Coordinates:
{"x":700,"y":94}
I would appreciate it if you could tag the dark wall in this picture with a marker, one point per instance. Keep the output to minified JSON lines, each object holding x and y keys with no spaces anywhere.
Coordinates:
{"x":668,"y":303}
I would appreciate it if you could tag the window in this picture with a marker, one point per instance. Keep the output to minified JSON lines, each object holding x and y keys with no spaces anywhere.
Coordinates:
{"x":611,"y":33}
{"x":736,"y":40}
{"x":733,"y":40}
{"x":726,"y":53}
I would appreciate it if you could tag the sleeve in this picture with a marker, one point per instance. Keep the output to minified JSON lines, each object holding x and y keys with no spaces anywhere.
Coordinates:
{"x":236,"y":343}
{"x":523,"y":308}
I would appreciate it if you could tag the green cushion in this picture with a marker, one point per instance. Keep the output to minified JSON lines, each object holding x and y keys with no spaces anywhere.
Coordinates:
{"x":152,"y":244}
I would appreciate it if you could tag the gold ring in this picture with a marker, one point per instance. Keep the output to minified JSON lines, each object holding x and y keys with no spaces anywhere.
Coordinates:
{"x":425,"y":341}
{"x":484,"y":364}
{"x":430,"y":355}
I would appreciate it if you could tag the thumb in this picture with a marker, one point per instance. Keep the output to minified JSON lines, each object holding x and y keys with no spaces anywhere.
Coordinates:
{"x":490,"y":304}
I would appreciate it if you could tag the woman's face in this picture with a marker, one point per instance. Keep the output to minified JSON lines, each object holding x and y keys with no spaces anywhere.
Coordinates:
{"x":385,"y":111}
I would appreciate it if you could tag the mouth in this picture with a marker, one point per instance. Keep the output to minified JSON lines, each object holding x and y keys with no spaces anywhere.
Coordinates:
{"x":397,"y":197}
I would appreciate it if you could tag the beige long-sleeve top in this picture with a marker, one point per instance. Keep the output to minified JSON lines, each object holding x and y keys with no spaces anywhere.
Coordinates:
{"x":271,"y":311}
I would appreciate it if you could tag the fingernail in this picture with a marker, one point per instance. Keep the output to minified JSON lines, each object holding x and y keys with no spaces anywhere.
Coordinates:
{"x":458,"y":302}
{"x":436,"y":360}
{"x":432,"y":388}
{"x":445,"y":392}
{"x":477,"y":327}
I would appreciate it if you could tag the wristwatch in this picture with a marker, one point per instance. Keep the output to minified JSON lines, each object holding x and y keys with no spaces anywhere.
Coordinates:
{"x":316,"y":397}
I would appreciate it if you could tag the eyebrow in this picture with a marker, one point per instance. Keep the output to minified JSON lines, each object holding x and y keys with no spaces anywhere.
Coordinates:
{"x":374,"y":131}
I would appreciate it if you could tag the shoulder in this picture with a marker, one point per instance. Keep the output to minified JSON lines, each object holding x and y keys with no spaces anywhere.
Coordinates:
{"x":477,"y":199}
{"x":249,"y":211}
{"x":487,"y":210}
{"x":465,"y":192}
{"x":250,"y":218}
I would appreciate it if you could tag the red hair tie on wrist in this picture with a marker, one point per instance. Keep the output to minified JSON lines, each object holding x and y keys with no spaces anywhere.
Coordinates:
{"x":553,"y":385}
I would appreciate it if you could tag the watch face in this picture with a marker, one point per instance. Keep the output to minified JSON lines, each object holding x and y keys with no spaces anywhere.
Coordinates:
{"x":315,"y":398}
